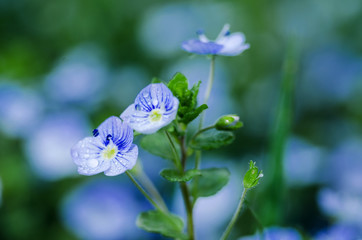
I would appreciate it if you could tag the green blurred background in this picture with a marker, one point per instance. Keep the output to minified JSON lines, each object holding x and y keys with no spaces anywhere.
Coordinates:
{"x":65,"y":66}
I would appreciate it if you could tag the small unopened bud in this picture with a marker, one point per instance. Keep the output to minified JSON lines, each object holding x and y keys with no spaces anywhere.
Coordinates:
{"x":252,"y":176}
{"x":228,"y":122}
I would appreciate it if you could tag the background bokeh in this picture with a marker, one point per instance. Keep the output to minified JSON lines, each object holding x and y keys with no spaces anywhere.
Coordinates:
{"x":66,"y":65}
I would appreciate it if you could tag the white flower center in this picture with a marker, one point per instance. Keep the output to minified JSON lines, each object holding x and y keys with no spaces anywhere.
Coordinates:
{"x":155,"y":115}
{"x":110,"y":151}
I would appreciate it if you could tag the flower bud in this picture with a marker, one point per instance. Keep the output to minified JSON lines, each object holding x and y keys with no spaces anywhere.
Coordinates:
{"x":252,"y":176}
{"x":228,"y":122}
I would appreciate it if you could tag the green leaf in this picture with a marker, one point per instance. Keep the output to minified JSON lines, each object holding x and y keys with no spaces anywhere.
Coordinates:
{"x":191,"y":115}
{"x":210,"y":182}
{"x":178,"y":85}
{"x":156,"y":221}
{"x":212,"y":139}
{"x":159,"y":145}
{"x":194,"y":92}
{"x":173,"y":175}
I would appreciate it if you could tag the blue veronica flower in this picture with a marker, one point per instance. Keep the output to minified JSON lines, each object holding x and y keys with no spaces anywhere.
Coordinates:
{"x":154,"y":108}
{"x":227,"y":44}
{"x":110,"y":150}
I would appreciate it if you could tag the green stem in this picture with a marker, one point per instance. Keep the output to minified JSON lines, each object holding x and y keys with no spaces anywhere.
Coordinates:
{"x":202,"y":130}
{"x":189,"y":210}
{"x":235,"y":216}
{"x":144,"y":192}
{"x":177,"y":161}
{"x":209,"y":87}
{"x":184,"y":189}
{"x":197,"y":159}
{"x":151,"y":188}
{"x":210,"y":82}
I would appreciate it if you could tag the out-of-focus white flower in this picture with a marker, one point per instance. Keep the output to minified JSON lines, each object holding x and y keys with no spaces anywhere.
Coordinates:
{"x":154,"y":107}
{"x":48,"y":145}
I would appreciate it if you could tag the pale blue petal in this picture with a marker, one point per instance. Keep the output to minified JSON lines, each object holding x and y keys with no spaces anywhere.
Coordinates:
{"x":203,"y":48}
{"x":233,"y":44}
{"x":123,"y":161}
{"x":86,"y":155}
{"x":154,"y":96}
{"x":121,"y":134}
{"x":224,"y":32}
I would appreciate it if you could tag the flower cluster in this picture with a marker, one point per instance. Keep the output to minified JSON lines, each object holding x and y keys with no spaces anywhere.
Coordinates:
{"x":111,"y":150}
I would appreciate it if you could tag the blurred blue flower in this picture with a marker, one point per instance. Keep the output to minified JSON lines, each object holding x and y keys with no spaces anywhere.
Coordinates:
{"x":345,"y":161}
{"x":344,"y":206}
{"x":331,"y":76}
{"x":110,"y":150}
{"x":300,"y":152}
{"x":20,"y":110}
{"x":154,"y":108}
{"x":225,"y":44}
{"x":339,"y":232}
{"x":47,"y":147}
{"x":103,"y":210}
{"x":79,"y":76}
{"x":275,"y":233}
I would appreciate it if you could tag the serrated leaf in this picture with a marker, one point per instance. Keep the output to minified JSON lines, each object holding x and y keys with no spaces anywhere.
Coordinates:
{"x":194,"y":92}
{"x":178,"y":85}
{"x":166,"y":224}
{"x":159,"y":145}
{"x":191,"y":115}
{"x":212,"y":139}
{"x":210,"y":182}
{"x":173,"y":175}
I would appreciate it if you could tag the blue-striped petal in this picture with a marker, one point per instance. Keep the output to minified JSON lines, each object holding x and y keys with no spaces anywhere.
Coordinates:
{"x":154,"y":108}
{"x":86,"y":155}
{"x":114,"y":129}
{"x":123,"y":161}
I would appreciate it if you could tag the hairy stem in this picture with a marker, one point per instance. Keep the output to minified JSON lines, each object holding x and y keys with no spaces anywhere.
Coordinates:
{"x":151,"y":188}
{"x":140,"y":188}
{"x":235,"y":216}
